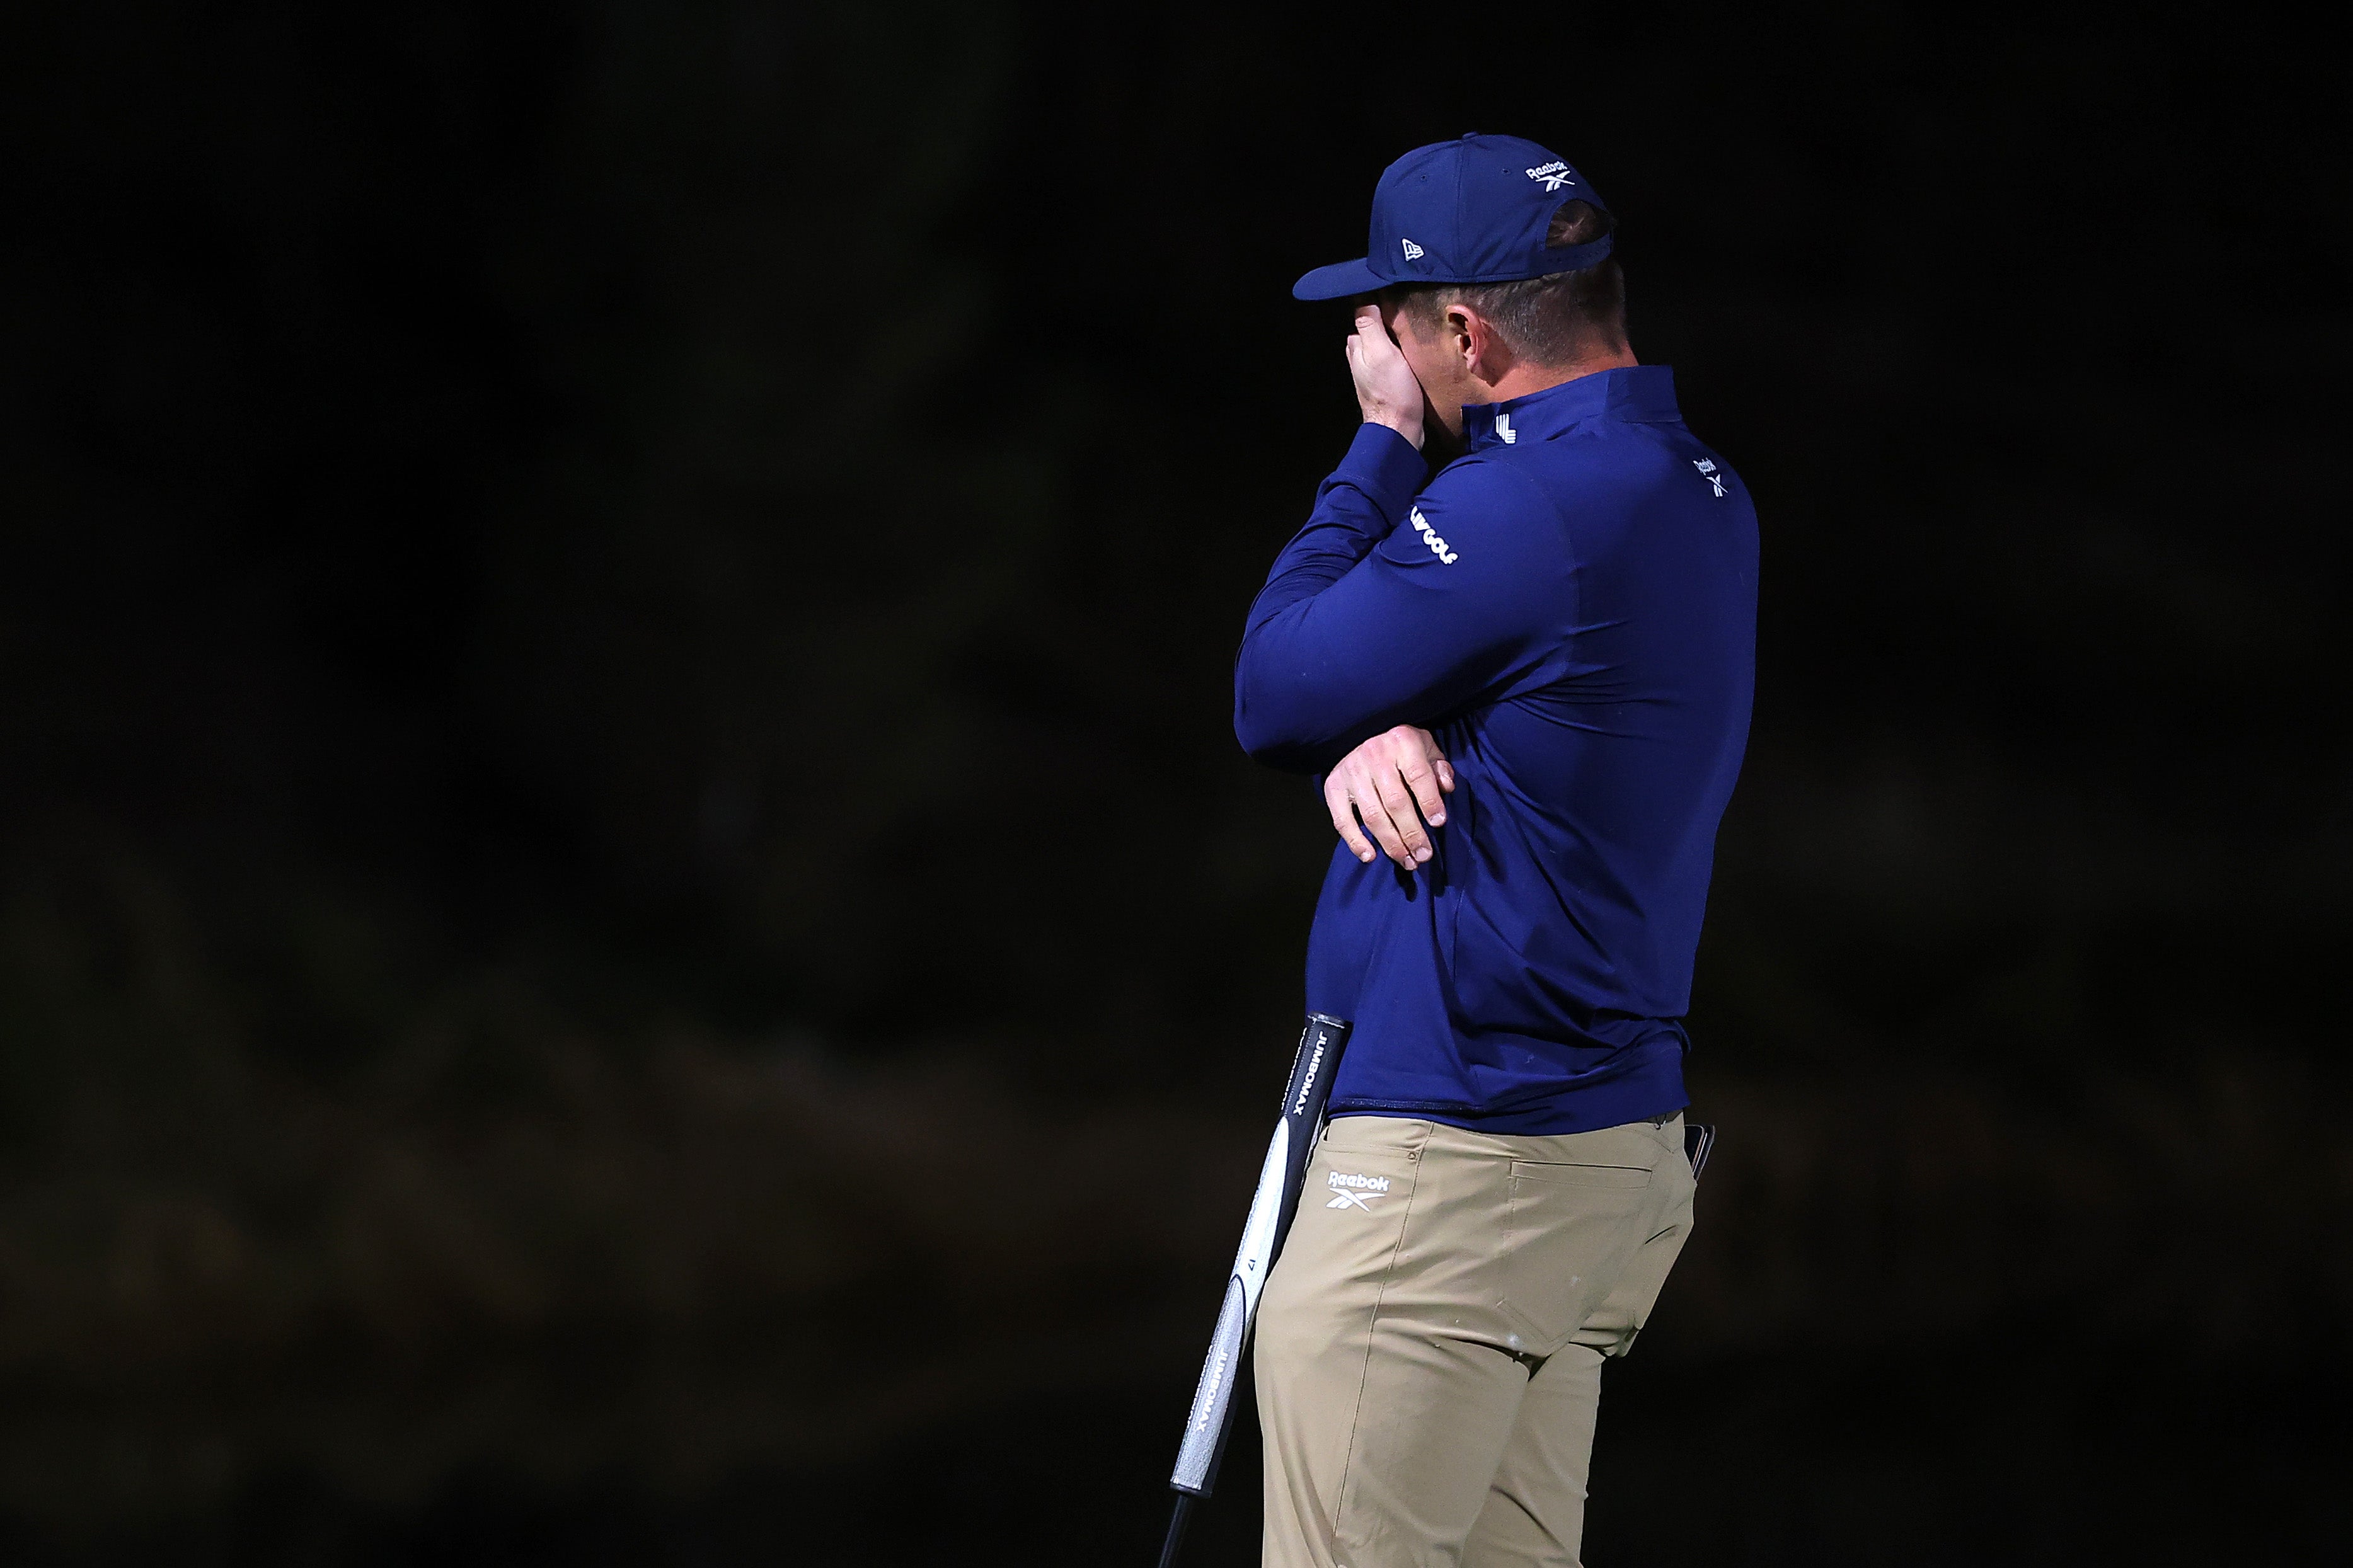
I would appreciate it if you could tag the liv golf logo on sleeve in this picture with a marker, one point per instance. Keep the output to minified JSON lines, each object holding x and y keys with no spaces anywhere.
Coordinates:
{"x":1432,"y":537}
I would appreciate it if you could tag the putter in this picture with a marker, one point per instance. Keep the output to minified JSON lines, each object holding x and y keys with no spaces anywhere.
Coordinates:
{"x":1270,"y":1221}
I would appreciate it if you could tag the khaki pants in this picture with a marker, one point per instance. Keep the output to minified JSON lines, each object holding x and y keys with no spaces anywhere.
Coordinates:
{"x":1430,"y":1343}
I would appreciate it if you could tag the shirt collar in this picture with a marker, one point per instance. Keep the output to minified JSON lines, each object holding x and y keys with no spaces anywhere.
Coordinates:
{"x":1642,"y":393}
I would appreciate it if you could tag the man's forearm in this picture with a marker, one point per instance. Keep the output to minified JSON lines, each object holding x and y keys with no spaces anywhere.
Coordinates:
{"x":1280,"y":714}
{"x":1357,"y":506}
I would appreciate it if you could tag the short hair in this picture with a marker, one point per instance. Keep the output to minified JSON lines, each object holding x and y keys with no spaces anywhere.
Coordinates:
{"x":1547,"y":320}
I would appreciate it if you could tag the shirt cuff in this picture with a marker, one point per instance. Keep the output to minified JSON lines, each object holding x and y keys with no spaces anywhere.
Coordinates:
{"x":1387,"y":467}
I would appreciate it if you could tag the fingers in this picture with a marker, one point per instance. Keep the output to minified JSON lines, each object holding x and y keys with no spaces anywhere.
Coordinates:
{"x":1411,"y":842}
{"x":1343,"y":817}
{"x":1416,"y":759}
{"x":1422,"y":780}
{"x":1386,"y":389}
{"x":1437,"y":760}
{"x":1371,"y":341}
{"x":1353,"y":793}
{"x":1413,"y":753}
{"x":1382,"y":793}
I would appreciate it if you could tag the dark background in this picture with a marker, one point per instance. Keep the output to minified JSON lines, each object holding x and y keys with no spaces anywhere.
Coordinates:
{"x":630,"y":928}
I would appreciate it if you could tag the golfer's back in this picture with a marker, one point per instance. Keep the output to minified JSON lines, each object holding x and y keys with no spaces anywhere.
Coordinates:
{"x":1615,"y":774}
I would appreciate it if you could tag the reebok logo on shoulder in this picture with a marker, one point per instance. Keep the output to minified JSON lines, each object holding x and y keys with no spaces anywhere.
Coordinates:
{"x":1354,"y":1191}
{"x":1711,"y":473}
{"x":1437,"y":546}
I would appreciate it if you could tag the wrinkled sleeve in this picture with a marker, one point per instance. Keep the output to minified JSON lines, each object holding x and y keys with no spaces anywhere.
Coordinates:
{"x":1389,"y":608}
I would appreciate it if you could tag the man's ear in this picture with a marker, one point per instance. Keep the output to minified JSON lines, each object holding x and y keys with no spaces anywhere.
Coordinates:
{"x":1463,"y":332}
{"x":1481,"y":353}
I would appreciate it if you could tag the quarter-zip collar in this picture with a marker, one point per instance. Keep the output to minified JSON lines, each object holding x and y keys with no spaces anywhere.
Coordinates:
{"x":1641,"y":394}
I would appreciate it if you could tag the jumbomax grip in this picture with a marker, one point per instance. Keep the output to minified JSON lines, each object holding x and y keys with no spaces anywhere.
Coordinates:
{"x":1270,"y":1221}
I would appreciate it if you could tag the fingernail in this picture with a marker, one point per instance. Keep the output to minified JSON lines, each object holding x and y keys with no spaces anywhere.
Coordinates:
{"x":1367,"y":857}
{"x":1439,"y":820}
{"x":1421,"y":857}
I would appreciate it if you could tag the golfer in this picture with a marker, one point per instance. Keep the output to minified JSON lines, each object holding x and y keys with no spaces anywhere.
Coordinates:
{"x":1516,"y":639}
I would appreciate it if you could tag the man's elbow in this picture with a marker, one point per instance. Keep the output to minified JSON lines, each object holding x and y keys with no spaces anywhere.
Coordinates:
{"x":1282,"y":711}
{"x":1272,"y":737}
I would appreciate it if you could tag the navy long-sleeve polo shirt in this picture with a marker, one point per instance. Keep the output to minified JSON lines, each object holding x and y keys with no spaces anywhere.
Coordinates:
{"x":1571,"y":606}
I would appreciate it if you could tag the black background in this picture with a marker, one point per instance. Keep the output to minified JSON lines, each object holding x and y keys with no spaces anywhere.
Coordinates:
{"x":629,"y":927}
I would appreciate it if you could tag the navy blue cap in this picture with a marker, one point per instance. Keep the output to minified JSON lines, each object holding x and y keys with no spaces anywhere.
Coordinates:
{"x":1471,"y":211}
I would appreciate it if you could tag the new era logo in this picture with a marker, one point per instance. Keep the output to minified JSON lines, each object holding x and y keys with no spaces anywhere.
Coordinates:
{"x":1412,"y":251}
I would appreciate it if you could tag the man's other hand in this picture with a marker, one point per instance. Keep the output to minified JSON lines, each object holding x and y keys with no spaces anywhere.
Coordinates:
{"x":1386,"y":388}
{"x":1383,"y":782}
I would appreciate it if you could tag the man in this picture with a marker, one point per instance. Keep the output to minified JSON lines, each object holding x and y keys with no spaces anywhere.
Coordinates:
{"x":1525,"y":682}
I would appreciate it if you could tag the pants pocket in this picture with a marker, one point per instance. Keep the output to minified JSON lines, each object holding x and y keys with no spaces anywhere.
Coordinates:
{"x":1342,"y":1242}
{"x":1570,"y":1232}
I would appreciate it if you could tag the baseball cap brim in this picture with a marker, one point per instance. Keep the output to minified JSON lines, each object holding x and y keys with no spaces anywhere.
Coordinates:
{"x":1339,"y":281}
